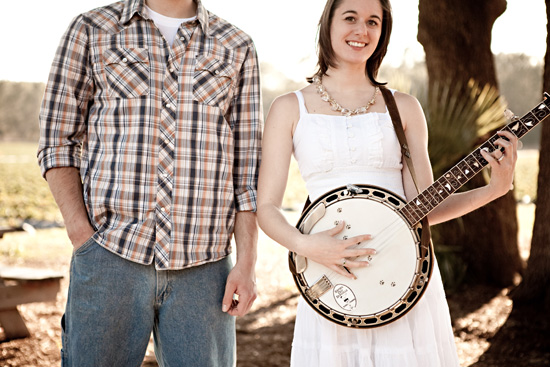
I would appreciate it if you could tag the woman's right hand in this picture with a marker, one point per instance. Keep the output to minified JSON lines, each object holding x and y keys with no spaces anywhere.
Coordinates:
{"x":336,"y":254}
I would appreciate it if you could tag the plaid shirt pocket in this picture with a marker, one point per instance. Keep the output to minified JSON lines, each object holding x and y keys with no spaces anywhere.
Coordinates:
{"x":213,"y":81}
{"x":127,"y":72}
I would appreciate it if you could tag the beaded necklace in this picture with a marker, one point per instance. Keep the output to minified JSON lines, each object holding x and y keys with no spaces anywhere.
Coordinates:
{"x":335,"y":106}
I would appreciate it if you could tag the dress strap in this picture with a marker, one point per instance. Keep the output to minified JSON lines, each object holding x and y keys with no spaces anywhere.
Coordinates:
{"x":301,"y":103}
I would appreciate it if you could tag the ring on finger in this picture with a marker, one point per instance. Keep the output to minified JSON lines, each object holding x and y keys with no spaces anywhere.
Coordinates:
{"x":500,"y":158}
{"x":344,"y":262}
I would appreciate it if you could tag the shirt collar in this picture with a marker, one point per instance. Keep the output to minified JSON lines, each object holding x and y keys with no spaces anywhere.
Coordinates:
{"x":131,"y":7}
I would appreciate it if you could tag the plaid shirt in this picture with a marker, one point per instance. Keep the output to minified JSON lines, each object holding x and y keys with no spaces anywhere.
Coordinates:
{"x":167,"y":139}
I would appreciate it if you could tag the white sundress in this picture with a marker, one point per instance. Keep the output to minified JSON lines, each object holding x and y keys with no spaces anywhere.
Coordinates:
{"x":333,"y":151}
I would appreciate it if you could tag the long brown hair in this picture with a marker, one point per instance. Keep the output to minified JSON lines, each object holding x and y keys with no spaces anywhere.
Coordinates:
{"x":325,"y":52}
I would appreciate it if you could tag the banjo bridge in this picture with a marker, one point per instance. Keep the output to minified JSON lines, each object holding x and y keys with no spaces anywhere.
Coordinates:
{"x":321,"y":287}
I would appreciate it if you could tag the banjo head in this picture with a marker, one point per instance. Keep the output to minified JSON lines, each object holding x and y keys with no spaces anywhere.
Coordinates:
{"x":397,"y":276}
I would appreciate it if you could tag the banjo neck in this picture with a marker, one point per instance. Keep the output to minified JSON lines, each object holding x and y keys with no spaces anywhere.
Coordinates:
{"x":463,"y":171}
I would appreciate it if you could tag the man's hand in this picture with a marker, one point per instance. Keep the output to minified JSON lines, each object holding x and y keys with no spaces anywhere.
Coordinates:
{"x":66,"y":188}
{"x":240,"y":289}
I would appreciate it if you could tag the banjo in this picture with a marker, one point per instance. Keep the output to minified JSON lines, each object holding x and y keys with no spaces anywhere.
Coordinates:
{"x":400,"y":271}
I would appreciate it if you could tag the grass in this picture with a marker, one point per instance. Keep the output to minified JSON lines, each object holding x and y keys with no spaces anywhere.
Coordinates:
{"x":24,"y":194}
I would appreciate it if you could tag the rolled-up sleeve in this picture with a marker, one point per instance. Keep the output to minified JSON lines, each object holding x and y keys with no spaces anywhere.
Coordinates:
{"x":63,"y":115}
{"x":246,"y":118}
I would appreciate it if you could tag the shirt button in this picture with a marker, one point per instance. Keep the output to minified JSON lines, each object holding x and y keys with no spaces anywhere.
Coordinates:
{"x":353,"y":161}
{"x":351,"y":135}
{"x":124,"y":60}
{"x":353,"y":149}
{"x":168,"y":105}
{"x":172,"y":69}
{"x":217,"y":72}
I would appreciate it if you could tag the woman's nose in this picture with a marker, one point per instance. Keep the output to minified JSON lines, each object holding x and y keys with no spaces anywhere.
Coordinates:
{"x":361,"y":29}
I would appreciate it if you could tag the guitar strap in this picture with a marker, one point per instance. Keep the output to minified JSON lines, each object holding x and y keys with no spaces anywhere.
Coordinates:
{"x":398,"y":126}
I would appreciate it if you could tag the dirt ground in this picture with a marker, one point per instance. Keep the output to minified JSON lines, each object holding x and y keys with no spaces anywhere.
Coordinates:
{"x":489,"y":331}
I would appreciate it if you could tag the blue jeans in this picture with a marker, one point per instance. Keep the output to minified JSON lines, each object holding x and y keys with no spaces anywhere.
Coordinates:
{"x":114,"y":304}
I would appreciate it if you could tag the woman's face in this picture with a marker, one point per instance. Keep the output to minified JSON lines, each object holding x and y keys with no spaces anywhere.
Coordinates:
{"x":355,"y":30}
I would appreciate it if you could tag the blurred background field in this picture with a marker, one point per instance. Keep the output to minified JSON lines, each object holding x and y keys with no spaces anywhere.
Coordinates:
{"x":25,"y":198}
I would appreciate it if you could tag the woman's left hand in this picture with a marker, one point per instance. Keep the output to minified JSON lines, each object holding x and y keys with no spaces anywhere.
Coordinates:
{"x":502,"y":162}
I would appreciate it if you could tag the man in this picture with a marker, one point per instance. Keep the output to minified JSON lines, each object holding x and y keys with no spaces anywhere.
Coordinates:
{"x":150,"y":143}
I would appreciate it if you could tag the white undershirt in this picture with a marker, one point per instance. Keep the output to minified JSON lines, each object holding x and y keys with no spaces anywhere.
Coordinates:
{"x":167,"y":26}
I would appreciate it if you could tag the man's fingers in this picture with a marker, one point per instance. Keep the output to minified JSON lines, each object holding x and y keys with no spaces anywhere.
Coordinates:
{"x":240,"y":305}
{"x":228,"y":297}
{"x":226,"y":306}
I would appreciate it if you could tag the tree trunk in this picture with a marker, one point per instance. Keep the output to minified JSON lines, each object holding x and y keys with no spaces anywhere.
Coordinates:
{"x":535,"y":287}
{"x":456,"y":36}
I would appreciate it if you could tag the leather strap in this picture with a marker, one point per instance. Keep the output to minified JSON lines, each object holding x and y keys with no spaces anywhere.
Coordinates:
{"x":398,"y":126}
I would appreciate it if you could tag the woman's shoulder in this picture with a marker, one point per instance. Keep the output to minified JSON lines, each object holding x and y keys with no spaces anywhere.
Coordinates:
{"x":403,"y":97}
{"x":410,"y":110}
{"x":286,"y":100}
{"x":284,"y":109}
{"x":291,"y":98}
{"x":406,"y":102}
{"x":290,"y":102}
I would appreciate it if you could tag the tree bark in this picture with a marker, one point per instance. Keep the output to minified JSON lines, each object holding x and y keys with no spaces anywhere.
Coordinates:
{"x":535,"y":287}
{"x":456,"y":36}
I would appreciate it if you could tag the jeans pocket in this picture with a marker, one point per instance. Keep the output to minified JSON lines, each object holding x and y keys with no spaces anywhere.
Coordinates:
{"x":85,"y":246}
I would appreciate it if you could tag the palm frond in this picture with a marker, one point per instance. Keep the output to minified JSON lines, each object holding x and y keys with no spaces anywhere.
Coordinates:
{"x":457,"y":117}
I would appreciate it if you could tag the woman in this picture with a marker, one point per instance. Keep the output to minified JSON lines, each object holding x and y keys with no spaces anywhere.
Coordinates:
{"x":340,"y":132}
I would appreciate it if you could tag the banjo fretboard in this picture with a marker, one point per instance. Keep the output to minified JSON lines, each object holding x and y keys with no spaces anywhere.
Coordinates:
{"x":467,"y":168}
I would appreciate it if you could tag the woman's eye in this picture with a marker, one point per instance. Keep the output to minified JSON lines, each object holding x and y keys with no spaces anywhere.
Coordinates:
{"x":350,"y":19}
